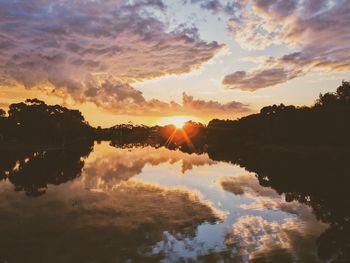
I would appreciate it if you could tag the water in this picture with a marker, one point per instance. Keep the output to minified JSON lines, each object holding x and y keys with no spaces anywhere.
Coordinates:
{"x":145,"y":204}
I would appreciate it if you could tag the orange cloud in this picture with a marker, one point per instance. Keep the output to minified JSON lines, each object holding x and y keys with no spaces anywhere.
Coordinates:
{"x":122,"y":98}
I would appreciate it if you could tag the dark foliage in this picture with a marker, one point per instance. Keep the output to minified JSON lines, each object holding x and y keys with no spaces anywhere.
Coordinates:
{"x":32,"y":171}
{"x":326,"y":123}
{"x":124,"y":132}
{"x":318,"y":177}
{"x":34,"y":121}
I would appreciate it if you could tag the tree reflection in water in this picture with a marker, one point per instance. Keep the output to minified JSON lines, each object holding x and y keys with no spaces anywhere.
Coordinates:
{"x":85,"y":221}
{"x":319,"y":178}
{"x":107,"y":217}
{"x":33,"y":171}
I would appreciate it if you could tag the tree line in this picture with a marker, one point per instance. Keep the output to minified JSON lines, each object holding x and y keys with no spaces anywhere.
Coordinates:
{"x":327,"y":122}
{"x":35,"y":121}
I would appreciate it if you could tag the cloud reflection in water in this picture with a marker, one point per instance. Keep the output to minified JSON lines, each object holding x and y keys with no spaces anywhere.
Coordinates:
{"x":153,"y":204}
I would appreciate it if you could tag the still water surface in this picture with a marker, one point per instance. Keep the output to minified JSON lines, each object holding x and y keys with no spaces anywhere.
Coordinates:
{"x":141,"y":204}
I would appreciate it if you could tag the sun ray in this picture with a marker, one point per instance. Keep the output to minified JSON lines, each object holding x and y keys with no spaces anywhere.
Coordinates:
{"x":188,"y":140}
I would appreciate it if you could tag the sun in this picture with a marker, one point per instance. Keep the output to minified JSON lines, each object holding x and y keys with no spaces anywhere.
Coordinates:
{"x":177,"y":121}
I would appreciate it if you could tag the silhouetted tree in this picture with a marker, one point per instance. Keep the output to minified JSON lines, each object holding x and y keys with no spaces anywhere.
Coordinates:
{"x":35,"y":121}
{"x":326,"y":100}
{"x":2,"y":124}
{"x":325,"y":123}
{"x":339,"y":98}
{"x":343,"y":92}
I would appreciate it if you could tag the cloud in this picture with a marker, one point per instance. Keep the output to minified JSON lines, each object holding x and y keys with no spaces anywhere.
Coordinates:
{"x":247,"y":185}
{"x":3,"y":105}
{"x":251,"y":81}
{"x":69,"y":44}
{"x":263,"y":239}
{"x":122,"y":98}
{"x":317,"y":31}
{"x":124,"y":223}
{"x":264,"y":198}
{"x":258,"y":239}
{"x":217,"y":6}
{"x":111,"y":166}
{"x":207,"y":107}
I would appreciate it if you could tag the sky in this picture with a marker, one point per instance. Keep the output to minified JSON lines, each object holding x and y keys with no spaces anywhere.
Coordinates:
{"x":145,"y":61}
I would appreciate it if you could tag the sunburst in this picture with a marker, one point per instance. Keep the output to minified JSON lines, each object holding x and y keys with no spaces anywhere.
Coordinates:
{"x":177,"y":121}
